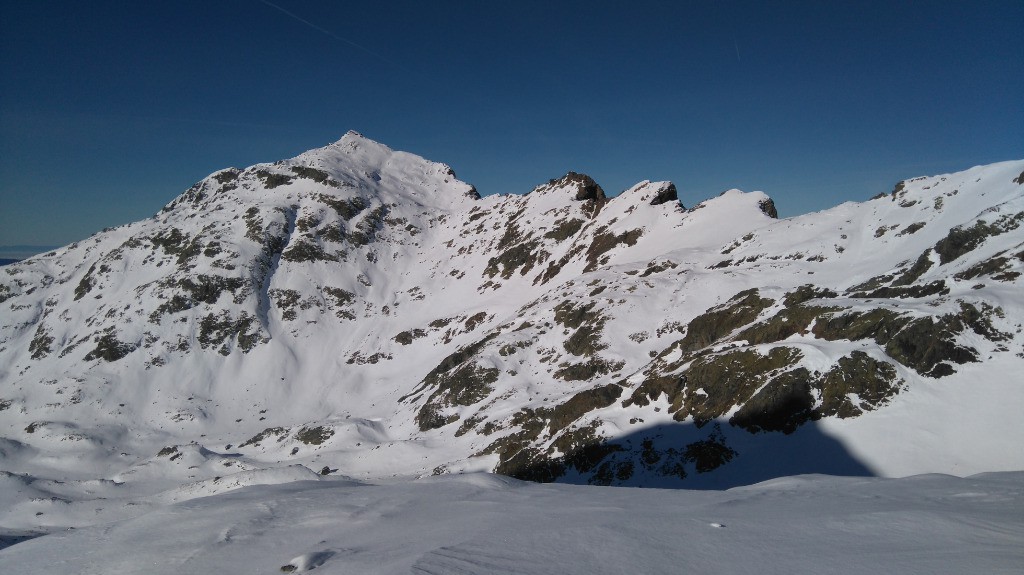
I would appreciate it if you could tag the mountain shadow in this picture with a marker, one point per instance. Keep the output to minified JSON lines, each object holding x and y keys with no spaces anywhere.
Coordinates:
{"x":684,"y":456}
{"x":13,"y":537}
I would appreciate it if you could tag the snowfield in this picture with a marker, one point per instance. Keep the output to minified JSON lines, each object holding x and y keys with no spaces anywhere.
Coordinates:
{"x":487,"y":524}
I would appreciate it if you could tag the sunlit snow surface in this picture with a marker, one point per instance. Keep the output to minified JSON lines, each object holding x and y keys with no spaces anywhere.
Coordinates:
{"x":486,"y":524}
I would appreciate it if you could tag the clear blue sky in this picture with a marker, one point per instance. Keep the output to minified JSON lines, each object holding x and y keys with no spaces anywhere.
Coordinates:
{"x":108,"y":110}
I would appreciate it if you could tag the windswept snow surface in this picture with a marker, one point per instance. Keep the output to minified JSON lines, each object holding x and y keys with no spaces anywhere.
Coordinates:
{"x":490,"y":525}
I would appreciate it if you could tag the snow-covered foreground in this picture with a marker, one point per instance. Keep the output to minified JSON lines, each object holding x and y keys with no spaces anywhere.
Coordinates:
{"x":482,"y":523}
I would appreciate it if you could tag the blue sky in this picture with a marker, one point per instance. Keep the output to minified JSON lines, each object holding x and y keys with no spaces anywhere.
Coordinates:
{"x":108,"y":110}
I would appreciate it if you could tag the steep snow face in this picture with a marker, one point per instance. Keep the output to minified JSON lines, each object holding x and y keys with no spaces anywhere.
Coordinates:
{"x":359,"y":310}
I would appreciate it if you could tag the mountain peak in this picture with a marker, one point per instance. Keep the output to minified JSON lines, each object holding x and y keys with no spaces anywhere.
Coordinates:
{"x":734,"y":200}
{"x":652,"y":193}
{"x":353,"y":139}
{"x":581,"y":185}
{"x":349,"y":144}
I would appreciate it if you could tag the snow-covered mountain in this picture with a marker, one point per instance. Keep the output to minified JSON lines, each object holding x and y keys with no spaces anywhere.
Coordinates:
{"x":360,"y":311}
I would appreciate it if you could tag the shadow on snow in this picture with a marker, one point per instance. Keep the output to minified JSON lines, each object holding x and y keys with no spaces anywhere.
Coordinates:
{"x":714,"y":456}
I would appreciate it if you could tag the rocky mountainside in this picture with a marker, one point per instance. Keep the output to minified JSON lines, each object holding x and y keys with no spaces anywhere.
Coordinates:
{"x":360,"y":311}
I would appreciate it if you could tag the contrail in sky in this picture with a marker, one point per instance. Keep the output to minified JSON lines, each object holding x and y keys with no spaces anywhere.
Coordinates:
{"x":737,"y":44}
{"x":333,"y":35}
